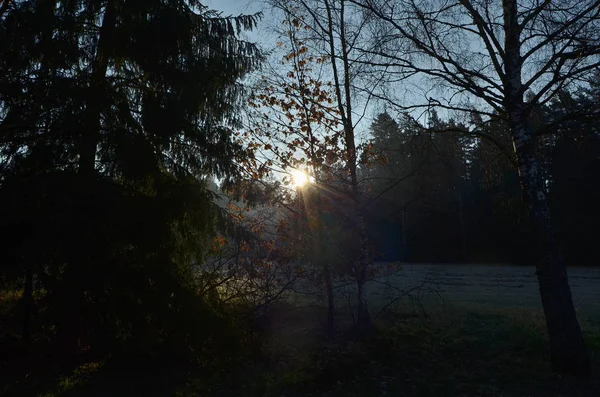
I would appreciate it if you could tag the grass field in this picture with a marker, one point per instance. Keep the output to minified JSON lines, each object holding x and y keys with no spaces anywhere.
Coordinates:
{"x":488,"y":286}
{"x":482,"y":334}
{"x":463,"y":350}
{"x":497,"y":285}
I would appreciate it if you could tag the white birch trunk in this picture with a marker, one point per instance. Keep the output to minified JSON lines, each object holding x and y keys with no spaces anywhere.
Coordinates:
{"x":568,"y":350}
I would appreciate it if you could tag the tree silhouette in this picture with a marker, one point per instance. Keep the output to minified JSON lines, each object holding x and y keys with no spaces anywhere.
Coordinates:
{"x":484,"y":58}
{"x":113,"y":114}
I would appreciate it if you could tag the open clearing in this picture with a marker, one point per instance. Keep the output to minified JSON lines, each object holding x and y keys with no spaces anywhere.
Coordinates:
{"x":495,"y":285}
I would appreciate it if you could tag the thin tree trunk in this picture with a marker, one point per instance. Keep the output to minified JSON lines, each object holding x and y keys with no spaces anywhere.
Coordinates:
{"x":403,"y":216}
{"x":96,"y":95}
{"x":463,"y":232}
{"x":364,"y":323}
{"x":569,"y":354}
{"x":314,"y":211}
{"x":364,"y":318}
{"x":343,"y":95}
{"x":27,"y":302}
{"x":330,"y":302}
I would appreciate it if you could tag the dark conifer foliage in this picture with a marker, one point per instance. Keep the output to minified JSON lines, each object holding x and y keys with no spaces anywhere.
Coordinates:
{"x":439,"y":195}
{"x":113,"y":114}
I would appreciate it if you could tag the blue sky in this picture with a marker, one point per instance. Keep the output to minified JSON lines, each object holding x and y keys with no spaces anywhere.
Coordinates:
{"x":234,"y":7}
{"x":262,"y":35}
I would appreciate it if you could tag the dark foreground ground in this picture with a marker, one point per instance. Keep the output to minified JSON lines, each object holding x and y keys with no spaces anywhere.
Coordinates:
{"x":490,"y":343}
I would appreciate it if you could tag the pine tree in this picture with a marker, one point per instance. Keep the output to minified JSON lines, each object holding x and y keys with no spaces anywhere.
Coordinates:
{"x":112,"y":115}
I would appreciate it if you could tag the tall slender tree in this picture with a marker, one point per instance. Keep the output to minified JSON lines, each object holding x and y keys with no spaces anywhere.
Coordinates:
{"x":334,"y":31}
{"x":296,"y":129}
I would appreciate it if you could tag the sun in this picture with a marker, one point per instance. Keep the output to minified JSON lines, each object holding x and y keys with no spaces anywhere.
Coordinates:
{"x":299,"y":178}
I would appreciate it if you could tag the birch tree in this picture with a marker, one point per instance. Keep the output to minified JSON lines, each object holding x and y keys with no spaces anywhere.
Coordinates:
{"x":500,"y":60}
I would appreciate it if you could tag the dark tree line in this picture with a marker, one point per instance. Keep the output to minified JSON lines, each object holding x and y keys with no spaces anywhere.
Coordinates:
{"x":439,"y":195}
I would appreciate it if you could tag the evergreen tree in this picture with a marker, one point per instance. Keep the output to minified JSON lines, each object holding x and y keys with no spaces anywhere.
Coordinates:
{"x":574,"y":166}
{"x":496,"y":214}
{"x":391,"y":161}
{"x":113,"y":114}
{"x":416,"y":182}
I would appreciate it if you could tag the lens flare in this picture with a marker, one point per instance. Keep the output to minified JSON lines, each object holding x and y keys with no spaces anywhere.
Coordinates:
{"x":299,"y":178}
